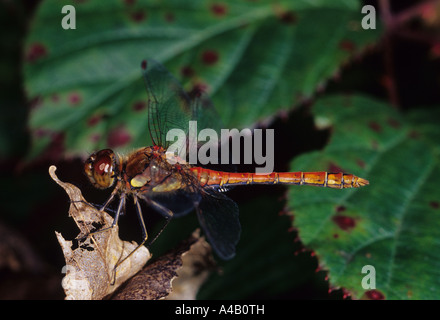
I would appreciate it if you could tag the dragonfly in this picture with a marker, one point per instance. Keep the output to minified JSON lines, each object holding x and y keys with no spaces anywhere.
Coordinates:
{"x":176,"y":188}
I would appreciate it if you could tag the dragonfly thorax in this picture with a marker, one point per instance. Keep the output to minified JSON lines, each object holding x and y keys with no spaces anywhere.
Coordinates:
{"x":147,"y":170}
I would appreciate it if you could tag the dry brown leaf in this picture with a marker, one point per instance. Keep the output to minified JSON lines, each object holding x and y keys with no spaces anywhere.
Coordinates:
{"x":197,"y":263}
{"x":158,"y":279}
{"x":90,"y":267}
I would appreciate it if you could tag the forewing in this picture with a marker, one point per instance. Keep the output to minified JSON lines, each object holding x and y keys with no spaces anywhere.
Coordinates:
{"x":218,"y":216}
{"x":169,"y":106}
{"x":204,"y":110}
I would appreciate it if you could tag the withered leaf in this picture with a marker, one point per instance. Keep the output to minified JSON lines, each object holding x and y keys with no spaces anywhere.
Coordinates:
{"x":197,"y":263}
{"x":90,"y":272}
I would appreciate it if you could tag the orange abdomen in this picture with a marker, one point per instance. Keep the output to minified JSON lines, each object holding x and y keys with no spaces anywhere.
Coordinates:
{"x":321,"y":179}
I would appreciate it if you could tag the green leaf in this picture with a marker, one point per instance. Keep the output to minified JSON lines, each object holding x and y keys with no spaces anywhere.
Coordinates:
{"x":255,"y":58}
{"x":394,"y":223}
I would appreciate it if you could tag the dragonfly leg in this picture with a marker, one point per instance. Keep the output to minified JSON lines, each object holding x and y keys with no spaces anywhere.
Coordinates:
{"x":115,"y":220}
{"x":167,"y":213}
{"x":144,"y":236}
{"x":112,"y":196}
{"x":163,"y":210}
{"x":102,"y":208}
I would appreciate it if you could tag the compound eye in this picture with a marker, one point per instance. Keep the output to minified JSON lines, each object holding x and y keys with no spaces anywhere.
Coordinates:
{"x":101,"y":168}
{"x":103,"y":165}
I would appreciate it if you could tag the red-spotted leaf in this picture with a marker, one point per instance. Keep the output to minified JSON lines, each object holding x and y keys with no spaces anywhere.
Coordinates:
{"x":382,"y":240}
{"x":254,"y":58}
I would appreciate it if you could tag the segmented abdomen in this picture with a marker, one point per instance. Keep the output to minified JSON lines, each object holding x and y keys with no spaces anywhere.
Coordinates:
{"x":321,"y":179}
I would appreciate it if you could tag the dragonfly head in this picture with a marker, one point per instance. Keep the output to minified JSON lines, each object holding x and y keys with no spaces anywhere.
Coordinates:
{"x":101,"y":168}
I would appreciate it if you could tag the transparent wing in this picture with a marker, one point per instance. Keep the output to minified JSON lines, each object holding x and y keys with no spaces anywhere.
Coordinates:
{"x":169,"y":106}
{"x":218,"y":216}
